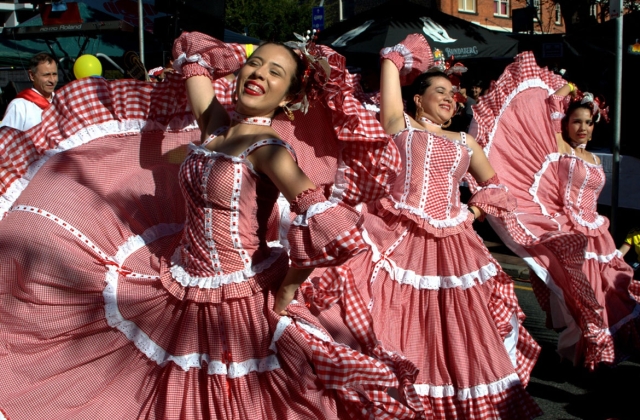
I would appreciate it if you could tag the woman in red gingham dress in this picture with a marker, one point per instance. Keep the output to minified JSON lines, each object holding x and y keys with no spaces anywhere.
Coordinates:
{"x":122,"y":298}
{"x":435,"y":293}
{"x":578,"y":275}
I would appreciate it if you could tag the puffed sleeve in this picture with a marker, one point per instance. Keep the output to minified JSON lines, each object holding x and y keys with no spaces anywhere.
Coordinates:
{"x":493,"y":198}
{"x":412,"y":57}
{"x":196,"y":54}
{"x":557,"y":107}
{"x":323,"y":233}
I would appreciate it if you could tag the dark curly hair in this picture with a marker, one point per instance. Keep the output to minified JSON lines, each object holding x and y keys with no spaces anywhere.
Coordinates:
{"x":419,"y":87}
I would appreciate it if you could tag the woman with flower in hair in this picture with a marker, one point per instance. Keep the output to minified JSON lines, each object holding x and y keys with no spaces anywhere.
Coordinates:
{"x":535,"y":128}
{"x":435,"y":293}
{"x":136,"y":283}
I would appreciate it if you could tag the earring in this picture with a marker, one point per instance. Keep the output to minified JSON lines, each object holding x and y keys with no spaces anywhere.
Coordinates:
{"x":419,"y":111}
{"x":447,"y":124}
{"x":288,"y":112}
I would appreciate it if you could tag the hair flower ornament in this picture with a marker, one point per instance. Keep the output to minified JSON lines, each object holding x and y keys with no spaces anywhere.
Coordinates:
{"x":317,"y":69}
{"x":599,"y":109}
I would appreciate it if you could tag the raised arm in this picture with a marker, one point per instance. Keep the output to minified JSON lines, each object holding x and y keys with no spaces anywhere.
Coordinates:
{"x":400,"y":65}
{"x":209,"y":113}
{"x":391,"y":105}
{"x":202,"y":59}
{"x":557,"y":106}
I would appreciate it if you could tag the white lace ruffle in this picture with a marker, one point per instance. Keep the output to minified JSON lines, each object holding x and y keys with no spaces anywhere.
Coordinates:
{"x":283,"y":323}
{"x":603,"y":259}
{"x":533,"y":190}
{"x":591,"y":225}
{"x":179,"y":274}
{"x":84,"y":136}
{"x":136,"y":242}
{"x":314,"y":210}
{"x":340,"y":182}
{"x":179,"y":62}
{"x":405,"y":53}
{"x":527,"y":84}
{"x":463,"y":394}
{"x":151,"y":349}
{"x":313,"y":330}
{"x":420,"y":282}
{"x":437,"y":223}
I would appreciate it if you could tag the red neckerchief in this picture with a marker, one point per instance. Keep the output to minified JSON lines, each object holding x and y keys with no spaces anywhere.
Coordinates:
{"x":35,"y":97}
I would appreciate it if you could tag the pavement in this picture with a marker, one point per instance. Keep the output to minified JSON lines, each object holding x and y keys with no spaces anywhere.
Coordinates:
{"x":560,"y":389}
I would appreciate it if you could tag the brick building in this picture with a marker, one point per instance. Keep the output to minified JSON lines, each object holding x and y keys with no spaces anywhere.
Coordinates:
{"x":491,"y":14}
{"x":498,"y":14}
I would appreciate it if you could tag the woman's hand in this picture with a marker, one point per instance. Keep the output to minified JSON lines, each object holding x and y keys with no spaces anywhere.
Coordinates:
{"x":287,"y":290}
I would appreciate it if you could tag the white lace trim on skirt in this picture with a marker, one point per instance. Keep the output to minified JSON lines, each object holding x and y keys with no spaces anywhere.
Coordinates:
{"x":437,"y":223}
{"x":463,"y":394}
{"x":154,"y":351}
{"x":180,"y":275}
{"x":527,"y":84}
{"x":602,"y":258}
{"x":465,"y":281}
{"x":84,"y":136}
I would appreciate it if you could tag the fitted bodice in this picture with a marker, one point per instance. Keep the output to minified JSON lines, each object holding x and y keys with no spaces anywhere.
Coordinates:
{"x":228,"y":207}
{"x":428,"y":184}
{"x":581,"y":183}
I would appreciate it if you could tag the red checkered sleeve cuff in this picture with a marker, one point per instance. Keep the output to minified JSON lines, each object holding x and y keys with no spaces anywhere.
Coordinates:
{"x":493,"y":198}
{"x":323,"y":233}
{"x":199,"y":54}
{"x":412,"y":57}
{"x":557,"y":107}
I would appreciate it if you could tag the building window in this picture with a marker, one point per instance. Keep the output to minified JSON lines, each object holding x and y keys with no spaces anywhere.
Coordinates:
{"x":536,"y":4}
{"x":558,"y":15}
{"x":467,"y":6}
{"x":501,"y":8}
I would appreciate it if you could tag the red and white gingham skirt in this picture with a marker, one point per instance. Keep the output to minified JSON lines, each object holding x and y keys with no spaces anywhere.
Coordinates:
{"x":450,"y":309}
{"x":89,"y":331}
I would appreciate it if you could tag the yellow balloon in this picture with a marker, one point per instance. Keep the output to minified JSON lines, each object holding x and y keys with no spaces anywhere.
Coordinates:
{"x":86,"y":66}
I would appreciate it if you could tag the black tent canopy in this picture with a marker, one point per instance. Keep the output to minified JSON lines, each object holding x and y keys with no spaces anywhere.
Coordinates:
{"x":391,"y":22}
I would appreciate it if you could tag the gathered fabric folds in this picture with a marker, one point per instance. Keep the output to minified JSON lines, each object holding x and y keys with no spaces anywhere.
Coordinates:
{"x":108,"y":308}
{"x":578,"y":275}
{"x":430,"y":291}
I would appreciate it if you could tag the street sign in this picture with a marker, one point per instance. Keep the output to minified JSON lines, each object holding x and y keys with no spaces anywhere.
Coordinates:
{"x":317,"y":18}
{"x":615,"y":8}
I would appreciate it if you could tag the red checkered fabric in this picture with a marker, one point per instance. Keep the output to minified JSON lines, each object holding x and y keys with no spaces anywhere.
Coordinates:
{"x":195,"y":51}
{"x":416,"y":276}
{"x":412,"y":56}
{"x":93,"y":102}
{"x":556,"y":224}
{"x":356,"y":155}
{"x":87,"y":249}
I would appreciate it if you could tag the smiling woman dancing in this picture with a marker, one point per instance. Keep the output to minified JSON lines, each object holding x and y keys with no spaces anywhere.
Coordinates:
{"x":434,"y":291}
{"x":120,"y":298}
{"x":578,"y":275}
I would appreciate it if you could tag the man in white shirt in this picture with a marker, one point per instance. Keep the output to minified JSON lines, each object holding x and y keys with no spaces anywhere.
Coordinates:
{"x":25,"y":110}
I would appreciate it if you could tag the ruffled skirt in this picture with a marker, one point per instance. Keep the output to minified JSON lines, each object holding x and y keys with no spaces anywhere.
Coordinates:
{"x":578,"y":275}
{"x":447,"y":306}
{"x":88,"y":327}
